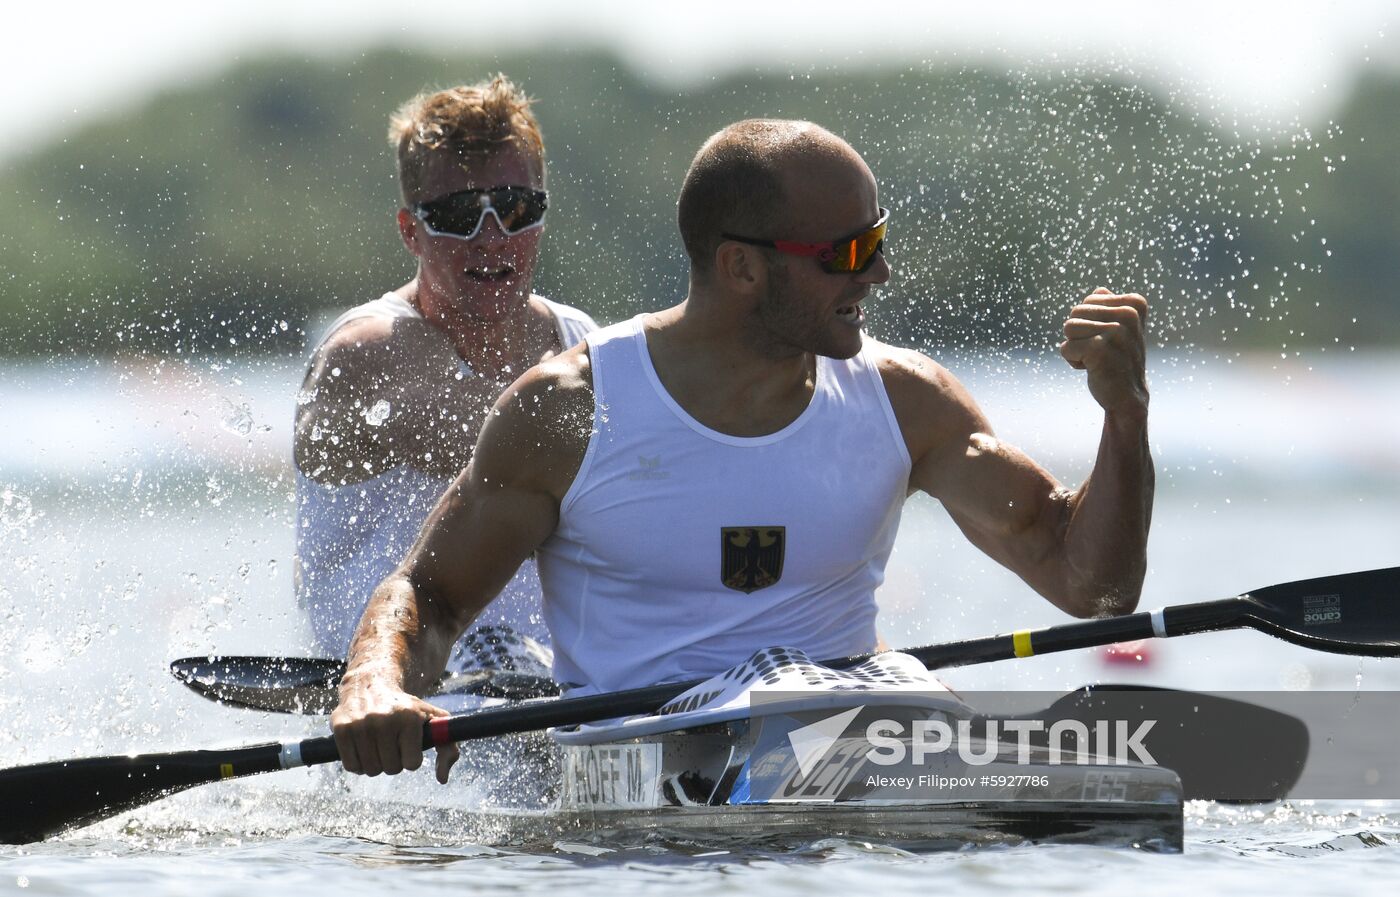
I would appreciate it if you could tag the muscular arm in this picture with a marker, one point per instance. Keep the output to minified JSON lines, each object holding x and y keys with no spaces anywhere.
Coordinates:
{"x":1085,"y":549}
{"x":430,"y":414}
{"x":498,"y":511}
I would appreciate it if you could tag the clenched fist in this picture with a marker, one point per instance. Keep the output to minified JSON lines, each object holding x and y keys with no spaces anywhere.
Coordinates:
{"x":1105,"y":336}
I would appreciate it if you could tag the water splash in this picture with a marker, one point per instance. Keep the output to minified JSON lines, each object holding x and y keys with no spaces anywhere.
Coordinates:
{"x":237,"y":417}
{"x":377,"y":413}
{"x":17,"y":513}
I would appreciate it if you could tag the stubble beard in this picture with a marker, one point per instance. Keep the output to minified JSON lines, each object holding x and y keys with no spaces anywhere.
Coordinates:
{"x":789,"y":325}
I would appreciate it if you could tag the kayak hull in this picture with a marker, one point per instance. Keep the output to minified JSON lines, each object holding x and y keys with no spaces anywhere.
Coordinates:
{"x":916,"y":826}
{"x":743,"y":781}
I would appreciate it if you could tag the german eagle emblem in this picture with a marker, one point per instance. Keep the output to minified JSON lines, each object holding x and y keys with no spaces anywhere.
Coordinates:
{"x":751,"y":557}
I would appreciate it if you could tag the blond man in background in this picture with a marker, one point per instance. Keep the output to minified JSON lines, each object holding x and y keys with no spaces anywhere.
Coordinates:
{"x":397,"y":389}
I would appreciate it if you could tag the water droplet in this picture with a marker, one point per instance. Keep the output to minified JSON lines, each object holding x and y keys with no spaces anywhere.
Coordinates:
{"x":238,"y":417}
{"x":16,"y":511}
{"x":376,"y":415}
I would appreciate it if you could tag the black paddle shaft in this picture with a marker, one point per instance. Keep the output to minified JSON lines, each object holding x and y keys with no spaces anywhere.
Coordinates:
{"x":1351,"y":613}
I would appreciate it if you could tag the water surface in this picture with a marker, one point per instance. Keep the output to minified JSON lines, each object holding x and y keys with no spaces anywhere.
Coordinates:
{"x":145,"y":514}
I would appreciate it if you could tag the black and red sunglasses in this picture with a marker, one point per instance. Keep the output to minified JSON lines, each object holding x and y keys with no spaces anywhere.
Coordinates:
{"x":848,"y":255}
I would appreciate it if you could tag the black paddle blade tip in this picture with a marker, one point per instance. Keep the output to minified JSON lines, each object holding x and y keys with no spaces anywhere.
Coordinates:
{"x":276,"y":684}
{"x":1350,"y":613}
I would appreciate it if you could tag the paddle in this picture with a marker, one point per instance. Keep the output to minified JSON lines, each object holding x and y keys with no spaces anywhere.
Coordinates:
{"x":1217,"y":745}
{"x":1221,"y":748}
{"x":310,"y":684}
{"x":1351,"y":613}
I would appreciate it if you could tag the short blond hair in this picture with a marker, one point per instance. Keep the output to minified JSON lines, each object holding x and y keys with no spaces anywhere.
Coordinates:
{"x":479,"y":119}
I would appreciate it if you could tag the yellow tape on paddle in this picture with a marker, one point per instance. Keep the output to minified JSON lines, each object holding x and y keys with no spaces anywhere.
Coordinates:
{"x":226,"y":770}
{"x":1021,"y":642}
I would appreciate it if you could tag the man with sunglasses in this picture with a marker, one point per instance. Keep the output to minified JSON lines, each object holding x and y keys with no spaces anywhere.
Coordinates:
{"x":397,"y":389}
{"x":728,"y":474}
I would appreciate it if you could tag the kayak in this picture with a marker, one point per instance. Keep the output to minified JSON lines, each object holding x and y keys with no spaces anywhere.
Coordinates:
{"x":881,"y":752}
{"x":692,"y":784}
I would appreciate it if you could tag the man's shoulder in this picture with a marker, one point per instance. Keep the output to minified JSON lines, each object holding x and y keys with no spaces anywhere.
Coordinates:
{"x":368,"y":321}
{"x":570,"y":320}
{"x":907,"y":369}
{"x":922,"y":392}
{"x":359,"y":332}
{"x":560,"y":380}
{"x":552,"y":401}
{"x":374,"y":346}
{"x":357,"y":335}
{"x":539,"y":431}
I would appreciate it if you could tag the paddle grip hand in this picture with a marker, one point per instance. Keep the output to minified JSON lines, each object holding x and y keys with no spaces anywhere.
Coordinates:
{"x":1105,"y":336}
{"x":382,"y":729}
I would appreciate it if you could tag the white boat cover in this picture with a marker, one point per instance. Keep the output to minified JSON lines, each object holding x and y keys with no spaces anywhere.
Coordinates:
{"x":779,"y":680}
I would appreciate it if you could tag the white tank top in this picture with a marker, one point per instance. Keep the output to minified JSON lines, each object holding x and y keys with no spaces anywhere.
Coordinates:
{"x":680,"y":550}
{"x":348,"y":538}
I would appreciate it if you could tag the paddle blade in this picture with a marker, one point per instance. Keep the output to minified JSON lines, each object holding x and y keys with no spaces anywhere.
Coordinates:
{"x":1222,"y":748}
{"x":1351,"y":613}
{"x":310,"y":685}
{"x":278,"y":684}
{"x":47,"y":798}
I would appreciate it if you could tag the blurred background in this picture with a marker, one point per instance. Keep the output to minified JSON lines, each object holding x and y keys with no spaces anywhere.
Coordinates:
{"x":179,"y":181}
{"x":188,"y":194}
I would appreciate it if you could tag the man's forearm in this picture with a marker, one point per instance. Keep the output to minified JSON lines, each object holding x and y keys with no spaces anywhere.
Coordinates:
{"x":1106,"y":541}
{"x":403,"y":639}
